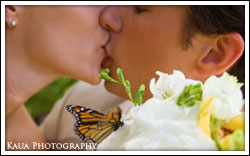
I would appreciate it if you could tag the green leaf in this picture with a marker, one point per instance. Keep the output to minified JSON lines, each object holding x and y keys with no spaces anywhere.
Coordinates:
{"x":138,"y":98}
{"x":43,"y":101}
{"x":190,"y":96}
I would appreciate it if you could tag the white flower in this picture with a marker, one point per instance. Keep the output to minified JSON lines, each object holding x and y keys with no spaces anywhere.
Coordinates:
{"x":159,"y":125}
{"x":228,"y":96}
{"x":170,"y":86}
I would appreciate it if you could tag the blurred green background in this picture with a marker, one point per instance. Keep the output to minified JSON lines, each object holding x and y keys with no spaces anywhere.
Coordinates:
{"x":42,"y":102}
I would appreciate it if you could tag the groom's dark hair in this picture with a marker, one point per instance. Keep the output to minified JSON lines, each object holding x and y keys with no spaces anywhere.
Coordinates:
{"x":216,"y":19}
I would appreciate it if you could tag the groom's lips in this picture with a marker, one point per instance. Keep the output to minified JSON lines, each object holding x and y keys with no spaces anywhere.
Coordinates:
{"x":107,"y":52}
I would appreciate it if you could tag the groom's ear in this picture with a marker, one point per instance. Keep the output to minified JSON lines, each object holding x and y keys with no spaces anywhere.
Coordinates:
{"x":224,"y":50}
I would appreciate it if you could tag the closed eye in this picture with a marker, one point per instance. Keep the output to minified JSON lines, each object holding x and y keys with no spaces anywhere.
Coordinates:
{"x":140,"y":9}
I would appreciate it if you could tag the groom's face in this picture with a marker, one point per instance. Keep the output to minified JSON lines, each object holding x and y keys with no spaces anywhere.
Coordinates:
{"x":145,"y":39}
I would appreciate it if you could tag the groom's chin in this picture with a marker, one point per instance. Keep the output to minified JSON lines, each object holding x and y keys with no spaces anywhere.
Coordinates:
{"x":116,"y":89}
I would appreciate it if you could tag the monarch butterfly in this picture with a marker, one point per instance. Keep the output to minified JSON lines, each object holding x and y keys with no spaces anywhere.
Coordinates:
{"x":92,"y":126}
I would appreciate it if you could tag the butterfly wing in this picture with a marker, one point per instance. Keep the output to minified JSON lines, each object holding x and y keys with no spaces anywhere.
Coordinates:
{"x":103,"y":130}
{"x":110,"y":123}
{"x":87,"y":120}
{"x":94,"y":126}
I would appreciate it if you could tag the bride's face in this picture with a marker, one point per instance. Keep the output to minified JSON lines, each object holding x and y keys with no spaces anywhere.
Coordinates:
{"x":68,"y":39}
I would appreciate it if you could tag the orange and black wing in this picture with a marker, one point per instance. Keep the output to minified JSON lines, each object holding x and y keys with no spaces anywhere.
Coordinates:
{"x":104,"y":128}
{"x":87,"y":120}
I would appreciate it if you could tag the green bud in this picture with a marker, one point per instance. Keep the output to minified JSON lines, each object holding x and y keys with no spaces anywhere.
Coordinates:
{"x":105,"y":75}
{"x":120,"y":75}
{"x":140,"y":92}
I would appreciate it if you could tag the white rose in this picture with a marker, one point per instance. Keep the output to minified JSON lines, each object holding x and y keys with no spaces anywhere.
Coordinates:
{"x":228,"y":96}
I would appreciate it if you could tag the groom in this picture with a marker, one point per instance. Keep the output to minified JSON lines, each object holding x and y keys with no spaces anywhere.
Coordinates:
{"x":200,"y":41}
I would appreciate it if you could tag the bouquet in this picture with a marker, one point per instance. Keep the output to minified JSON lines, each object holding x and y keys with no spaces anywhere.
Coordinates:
{"x":183,"y":114}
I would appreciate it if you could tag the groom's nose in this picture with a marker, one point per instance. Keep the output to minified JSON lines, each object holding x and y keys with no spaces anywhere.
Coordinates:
{"x":110,"y":19}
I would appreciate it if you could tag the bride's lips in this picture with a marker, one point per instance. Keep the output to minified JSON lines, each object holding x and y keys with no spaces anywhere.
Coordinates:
{"x":105,"y":61}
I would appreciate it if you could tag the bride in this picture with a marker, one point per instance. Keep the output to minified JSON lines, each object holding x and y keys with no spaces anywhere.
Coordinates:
{"x":44,"y":43}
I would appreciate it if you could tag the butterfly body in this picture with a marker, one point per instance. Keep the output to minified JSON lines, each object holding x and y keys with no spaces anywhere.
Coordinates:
{"x":92,"y":126}
{"x":117,"y":125}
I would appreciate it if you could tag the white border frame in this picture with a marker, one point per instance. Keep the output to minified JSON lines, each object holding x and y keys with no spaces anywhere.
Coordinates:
{"x":246,"y":3}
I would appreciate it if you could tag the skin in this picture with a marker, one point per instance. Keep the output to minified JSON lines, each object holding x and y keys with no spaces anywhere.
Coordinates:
{"x":146,"y":39}
{"x":47,"y":42}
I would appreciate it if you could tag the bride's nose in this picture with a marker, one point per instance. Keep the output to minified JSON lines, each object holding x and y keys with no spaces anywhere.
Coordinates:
{"x":110,"y":19}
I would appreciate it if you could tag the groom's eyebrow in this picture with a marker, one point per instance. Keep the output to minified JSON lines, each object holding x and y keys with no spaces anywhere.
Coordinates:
{"x":147,"y":6}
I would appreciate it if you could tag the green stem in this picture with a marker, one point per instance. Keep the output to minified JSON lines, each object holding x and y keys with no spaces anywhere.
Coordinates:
{"x":126,"y":84}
